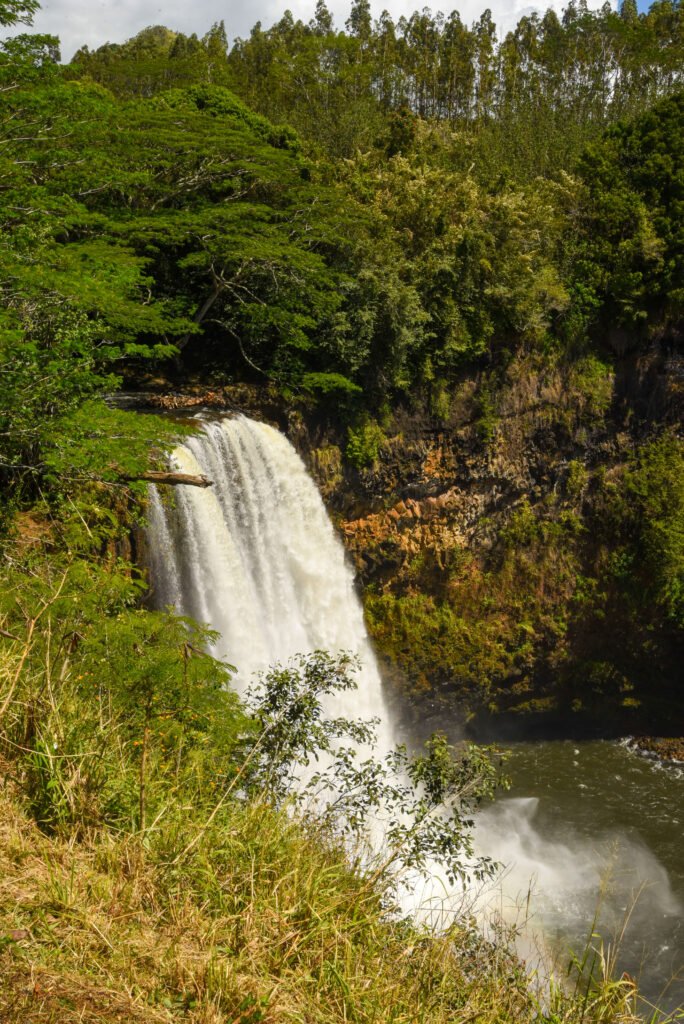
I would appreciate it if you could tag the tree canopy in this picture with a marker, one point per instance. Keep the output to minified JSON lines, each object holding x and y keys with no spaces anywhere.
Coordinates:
{"x":334,"y":209}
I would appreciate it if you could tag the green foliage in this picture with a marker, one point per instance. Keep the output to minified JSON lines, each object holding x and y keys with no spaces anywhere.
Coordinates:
{"x":329,"y":384}
{"x":52,"y":429}
{"x":591,"y":380}
{"x":109,"y":707}
{"x":576,"y":479}
{"x":482,"y":266}
{"x":221,"y":103}
{"x":469,"y":240}
{"x":113,"y":702}
{"x":56,"y":437}
{"x":131,"y":227}
{"x":364,"y":443}
{"x":174,"y":218}
{"x":632,"y":247}
{"x":487,"y":419}
{"x":402,"y":131}
{"x":159,"y":218}
{"x":18,"y":11}
{"x":646,"y":513}
{"x":526,"y":105}
{"x":28,"y":58}
{"x":103,"y":445}
{"x":405,"y":791}
{"x":428,"y":640}
{"x":155,"y":59}
{"x":494,"y":624}
{"x":287,"y":703}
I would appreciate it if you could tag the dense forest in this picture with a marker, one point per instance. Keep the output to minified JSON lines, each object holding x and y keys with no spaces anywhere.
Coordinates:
{"x":378,"y":226}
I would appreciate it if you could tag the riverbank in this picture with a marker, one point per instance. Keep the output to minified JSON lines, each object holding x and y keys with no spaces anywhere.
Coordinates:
{"x":262,"y":922}
{"x":141,"y":885}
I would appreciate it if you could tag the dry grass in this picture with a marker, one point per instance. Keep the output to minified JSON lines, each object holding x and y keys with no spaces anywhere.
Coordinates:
{"x":262,"y":924}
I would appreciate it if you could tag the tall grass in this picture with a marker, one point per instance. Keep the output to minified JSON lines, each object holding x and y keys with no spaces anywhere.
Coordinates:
{"x":138,"y":882}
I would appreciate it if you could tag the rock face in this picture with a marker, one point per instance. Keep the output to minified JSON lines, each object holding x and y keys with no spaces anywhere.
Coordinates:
{"x":435,"y":485}
{"x":473,"y":542}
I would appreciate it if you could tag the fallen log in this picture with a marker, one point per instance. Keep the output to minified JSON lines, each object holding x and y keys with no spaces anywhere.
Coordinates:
{"x":189,"y":479}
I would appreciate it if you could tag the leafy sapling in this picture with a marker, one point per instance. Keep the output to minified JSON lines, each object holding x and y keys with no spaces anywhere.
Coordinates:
{"x":410,"y":810}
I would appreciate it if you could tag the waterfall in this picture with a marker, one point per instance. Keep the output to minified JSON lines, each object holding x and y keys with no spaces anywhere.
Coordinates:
{"x":257,"y":557}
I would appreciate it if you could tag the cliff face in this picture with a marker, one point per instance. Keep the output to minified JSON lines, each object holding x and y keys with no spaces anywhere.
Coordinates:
{"x":488,"y":539}
{"x":483,"y":548}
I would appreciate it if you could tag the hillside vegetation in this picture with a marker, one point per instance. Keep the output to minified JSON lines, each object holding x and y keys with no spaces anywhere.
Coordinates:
{"x":404,"y":254}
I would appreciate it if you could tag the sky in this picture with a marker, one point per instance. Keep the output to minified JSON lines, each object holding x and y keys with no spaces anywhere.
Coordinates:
{"x":99,"y":21}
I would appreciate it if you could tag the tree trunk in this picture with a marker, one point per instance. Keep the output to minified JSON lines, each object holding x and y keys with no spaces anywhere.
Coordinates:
{"x":199,"y":317}
{"x":154,"y":477}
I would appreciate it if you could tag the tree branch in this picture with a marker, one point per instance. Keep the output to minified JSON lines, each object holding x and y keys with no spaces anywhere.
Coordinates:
{"x":155,"y":477}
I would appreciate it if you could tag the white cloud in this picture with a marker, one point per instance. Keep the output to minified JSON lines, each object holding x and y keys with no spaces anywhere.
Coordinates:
{"x":95,"y":22}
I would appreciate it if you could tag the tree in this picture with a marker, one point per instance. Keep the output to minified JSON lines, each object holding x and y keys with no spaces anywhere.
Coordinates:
{"x":632,"y":241}
{"x":485,"y":34}
{"x":215,"y":43}
{"x":629,"y":12}
{"x":359,"y":21}
{"x":457,"y":69}
{"x":322,"y":22}
{"x":13,"y":12}
{"x":423,"y":803}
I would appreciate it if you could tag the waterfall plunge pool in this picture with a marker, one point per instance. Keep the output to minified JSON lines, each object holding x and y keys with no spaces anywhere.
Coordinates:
{"x":587,"y":826}
{"x":595,"y":819}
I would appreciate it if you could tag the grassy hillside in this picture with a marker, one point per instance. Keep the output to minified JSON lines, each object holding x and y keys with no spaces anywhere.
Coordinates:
{"x":148,"y":875}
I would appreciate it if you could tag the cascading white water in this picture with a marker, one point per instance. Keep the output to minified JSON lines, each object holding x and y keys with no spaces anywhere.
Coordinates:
{"x":257,"y":558}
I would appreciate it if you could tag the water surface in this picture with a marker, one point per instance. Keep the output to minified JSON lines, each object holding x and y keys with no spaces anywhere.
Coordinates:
{"x":593,"y":821}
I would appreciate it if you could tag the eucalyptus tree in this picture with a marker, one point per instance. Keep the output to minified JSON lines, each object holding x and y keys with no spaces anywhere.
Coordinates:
{"x":457,"y":69}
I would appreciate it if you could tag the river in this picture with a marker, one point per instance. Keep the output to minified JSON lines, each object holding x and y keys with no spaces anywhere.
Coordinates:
{"x":585,"y":819}
{"x":590,"y":826}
